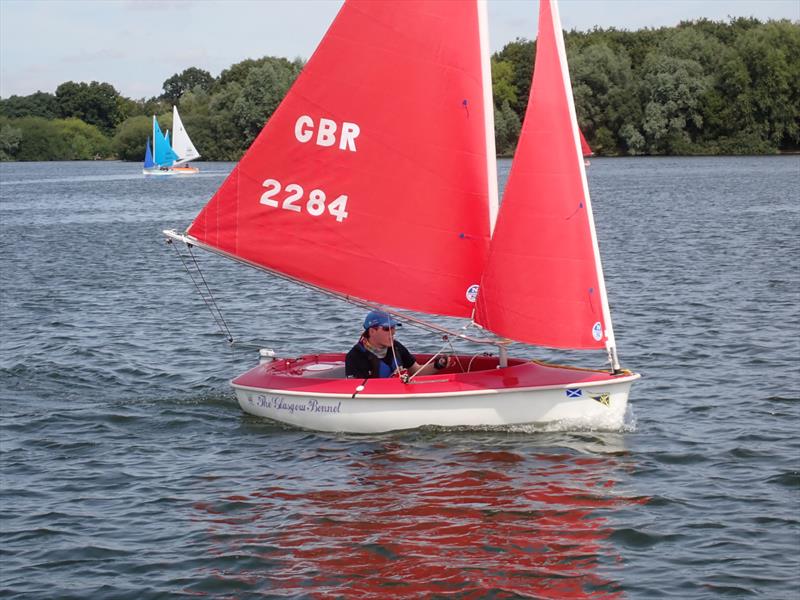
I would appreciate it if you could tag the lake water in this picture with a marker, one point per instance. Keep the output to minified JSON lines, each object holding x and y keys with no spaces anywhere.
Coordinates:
{"x":128,"y":471}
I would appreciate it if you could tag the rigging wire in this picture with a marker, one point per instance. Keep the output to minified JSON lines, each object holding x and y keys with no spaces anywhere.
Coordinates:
{"x":447,"y":342}
{"x":207,"y":296}
{"x":398,"y":367}
{"x":406,"y":317}
{"x":216,"y":313}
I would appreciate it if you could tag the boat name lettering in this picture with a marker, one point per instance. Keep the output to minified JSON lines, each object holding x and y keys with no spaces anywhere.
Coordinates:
{"x":315,"y":205}
{"x":312,"y":405}
{"x":326,"y":132}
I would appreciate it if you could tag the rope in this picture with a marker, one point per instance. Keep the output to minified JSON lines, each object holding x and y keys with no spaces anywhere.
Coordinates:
{"x":401,"y":370}
{"x":447,"y":342}
{"x":207,"y":296}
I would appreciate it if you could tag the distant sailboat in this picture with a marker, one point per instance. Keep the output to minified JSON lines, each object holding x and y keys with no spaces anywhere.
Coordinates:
{"x":166,"y":158}
{"x":148,"y":156}
{"x":586,"y":149}
{"x":181,"y":143}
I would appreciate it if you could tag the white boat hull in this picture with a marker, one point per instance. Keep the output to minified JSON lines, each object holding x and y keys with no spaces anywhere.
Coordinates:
{"x":493,"y":408}
{"x":171,"y":172}
{"x":597,"y":404}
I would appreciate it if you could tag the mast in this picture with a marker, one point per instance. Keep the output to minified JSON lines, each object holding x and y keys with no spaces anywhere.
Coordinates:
{"x":601,"y":283}
{"x":488,"y":112}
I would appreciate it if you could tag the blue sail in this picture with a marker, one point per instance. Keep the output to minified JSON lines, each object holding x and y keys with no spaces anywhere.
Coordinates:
{"x":163,"y":154}
{"x":148,"y":156}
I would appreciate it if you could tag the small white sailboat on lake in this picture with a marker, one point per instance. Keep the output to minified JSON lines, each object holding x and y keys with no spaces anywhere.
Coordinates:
{"x":375,"y":181}
{"x":167,"y":158}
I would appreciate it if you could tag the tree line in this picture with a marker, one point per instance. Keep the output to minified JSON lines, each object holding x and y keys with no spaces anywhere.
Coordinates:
{"x":702,"y":87}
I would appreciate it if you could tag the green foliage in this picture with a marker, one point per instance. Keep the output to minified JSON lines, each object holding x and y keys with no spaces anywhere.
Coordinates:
{"x":771,"y":54}
{"x":703,"y":87}
{"x":84,"y":141}
{"x":519,"y":56}
{"x":700,"y":88}
{"x":503,"y":88}
{"x":131,"y":138}
{"x":604,"y":91}
{"x":238,"y":73}
{"x":56,"y":139}
{"x":10,"y":137}
{"x":604,"y":142}
{"x":39,"y":104}
{"x":180,"y":83}
{"x":38,"y":140}
{"x":671,"y":91}
{"x":632,"y":141}
{"x":506,"y":129}
{"x":262,"y":91}
{"x":95,"y":103}
{"x":226,"y":141}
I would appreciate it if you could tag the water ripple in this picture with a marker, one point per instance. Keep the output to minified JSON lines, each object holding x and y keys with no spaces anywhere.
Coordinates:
{"x":128,"y":471}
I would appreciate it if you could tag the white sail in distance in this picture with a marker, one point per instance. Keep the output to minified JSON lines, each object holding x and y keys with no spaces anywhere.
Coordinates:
{"x":181,"y":143}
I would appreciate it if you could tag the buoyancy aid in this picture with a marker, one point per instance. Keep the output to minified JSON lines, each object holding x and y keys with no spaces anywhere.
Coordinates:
{"x":379,"y":366}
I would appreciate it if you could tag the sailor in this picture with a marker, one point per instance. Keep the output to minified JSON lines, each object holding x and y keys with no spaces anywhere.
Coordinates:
{"x":378,"y":354}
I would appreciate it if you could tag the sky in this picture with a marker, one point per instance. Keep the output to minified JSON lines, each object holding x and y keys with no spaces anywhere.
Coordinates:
{"x":136,"y":45}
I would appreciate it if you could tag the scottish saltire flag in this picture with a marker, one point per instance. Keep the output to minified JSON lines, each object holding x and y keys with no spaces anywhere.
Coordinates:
{"x":574,"y":393}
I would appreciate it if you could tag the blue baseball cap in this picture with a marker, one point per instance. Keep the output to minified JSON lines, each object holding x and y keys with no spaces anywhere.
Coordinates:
{"x":378,"y":318}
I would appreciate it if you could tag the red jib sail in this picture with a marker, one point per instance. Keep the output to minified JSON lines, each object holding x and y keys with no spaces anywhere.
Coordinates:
{"x":370,"y":179}
{"x":543,"y":283}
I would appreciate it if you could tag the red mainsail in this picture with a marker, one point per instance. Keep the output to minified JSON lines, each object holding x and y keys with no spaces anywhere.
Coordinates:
{"x":543,"y":284}
{"x":370,"y":179}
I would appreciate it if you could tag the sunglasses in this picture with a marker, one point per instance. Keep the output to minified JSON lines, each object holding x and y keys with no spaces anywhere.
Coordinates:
{"x":386,"y":328}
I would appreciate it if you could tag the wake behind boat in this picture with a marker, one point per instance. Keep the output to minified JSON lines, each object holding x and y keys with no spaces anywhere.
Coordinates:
{"x":165,"y":158}
{"x":375,"y":181}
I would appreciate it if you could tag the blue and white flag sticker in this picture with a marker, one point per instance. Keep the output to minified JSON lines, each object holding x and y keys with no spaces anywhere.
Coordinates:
{"x":575,"y":393}
{"x":597,"y":331}
{"x":472,"y":292}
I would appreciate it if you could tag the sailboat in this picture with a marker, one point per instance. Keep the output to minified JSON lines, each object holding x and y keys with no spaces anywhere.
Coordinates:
{"x":182,"y":144}
{"x":375,"y":181}
{"x":586,"y":149}
{"x":170,"y":158}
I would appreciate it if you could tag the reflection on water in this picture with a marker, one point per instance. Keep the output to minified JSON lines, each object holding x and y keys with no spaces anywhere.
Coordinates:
{"x":477,"y":523}
{"x":127,"y":470}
